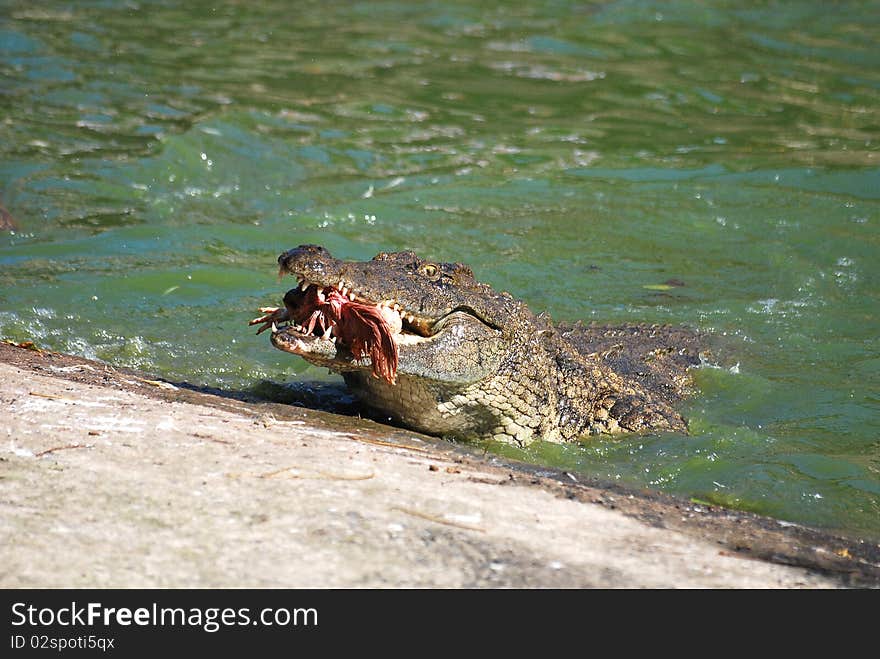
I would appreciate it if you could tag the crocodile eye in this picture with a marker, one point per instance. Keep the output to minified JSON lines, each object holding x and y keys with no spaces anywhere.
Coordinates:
{"x":430,"y":270}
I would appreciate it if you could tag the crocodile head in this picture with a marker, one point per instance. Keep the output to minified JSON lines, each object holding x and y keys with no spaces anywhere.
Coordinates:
{"x":448,"y":331}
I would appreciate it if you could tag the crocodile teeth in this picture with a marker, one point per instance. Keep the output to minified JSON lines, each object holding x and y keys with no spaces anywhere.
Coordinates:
{"x":352,"y":297}
{"x":410,"y":318}
{"x":274,"y":328}
{"x":303,"y":285}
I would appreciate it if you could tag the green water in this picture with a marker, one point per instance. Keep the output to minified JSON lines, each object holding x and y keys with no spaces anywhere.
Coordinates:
{"x":158,"y":156}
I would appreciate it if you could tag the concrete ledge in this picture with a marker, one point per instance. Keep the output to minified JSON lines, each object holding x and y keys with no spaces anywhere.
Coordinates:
{"x":109,"y":478}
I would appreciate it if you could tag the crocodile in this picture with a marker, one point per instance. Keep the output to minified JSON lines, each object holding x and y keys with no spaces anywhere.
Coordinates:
{"x":430,"y":348}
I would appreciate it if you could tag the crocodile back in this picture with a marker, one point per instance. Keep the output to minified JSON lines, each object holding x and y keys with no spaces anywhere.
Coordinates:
{"x":657,"y":356}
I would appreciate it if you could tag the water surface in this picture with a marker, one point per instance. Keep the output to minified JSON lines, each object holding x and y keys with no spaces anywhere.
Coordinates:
{"x":157,"y":156}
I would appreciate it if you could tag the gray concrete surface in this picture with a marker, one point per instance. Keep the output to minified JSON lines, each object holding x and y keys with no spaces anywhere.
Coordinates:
{"x":102,"y":486}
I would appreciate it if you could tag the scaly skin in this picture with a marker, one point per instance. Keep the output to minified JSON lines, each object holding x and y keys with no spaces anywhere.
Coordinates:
{"x":474,"y":363}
